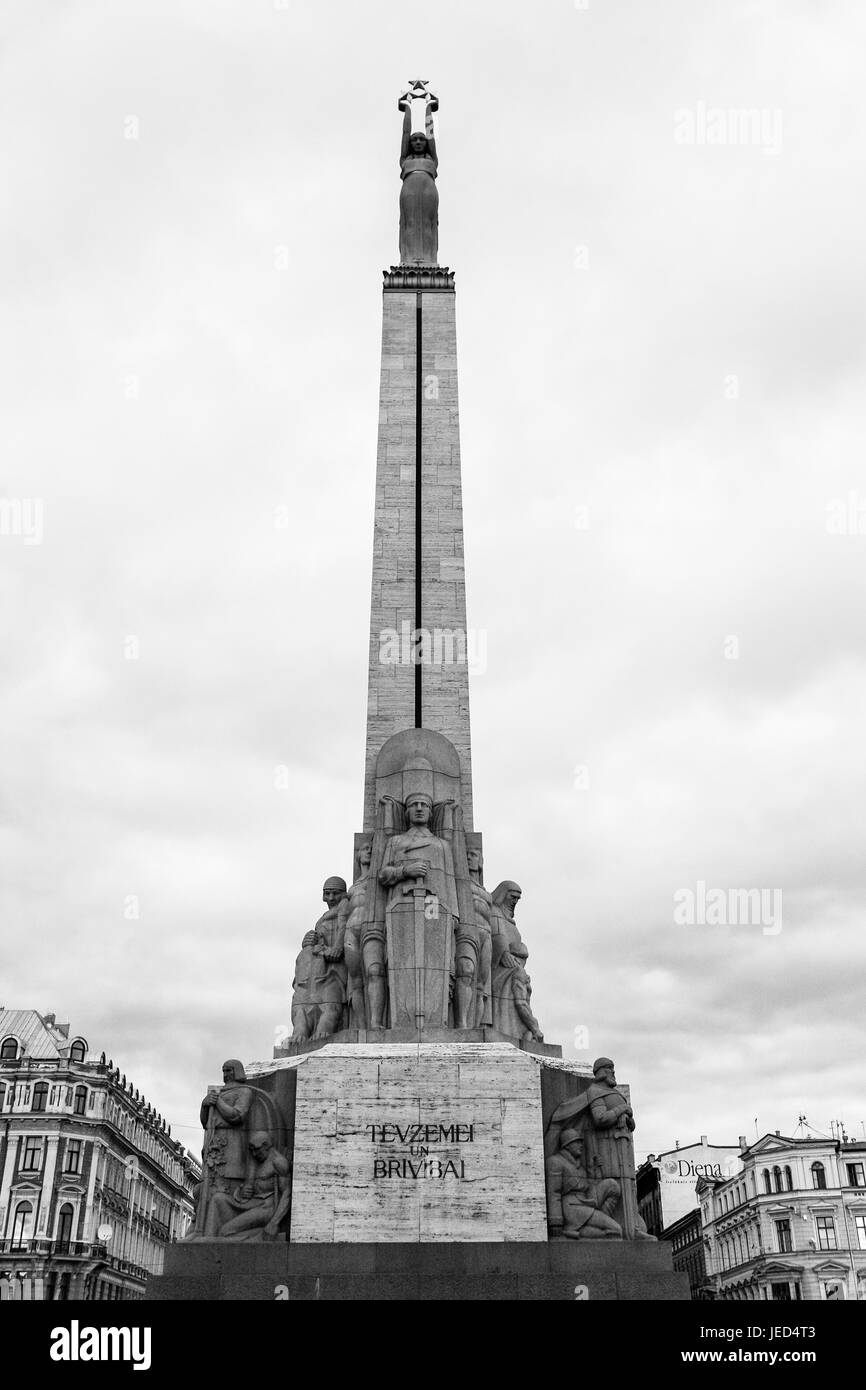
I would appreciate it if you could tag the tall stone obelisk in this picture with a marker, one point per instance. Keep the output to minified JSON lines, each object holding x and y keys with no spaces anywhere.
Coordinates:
{"x":418,"y":659}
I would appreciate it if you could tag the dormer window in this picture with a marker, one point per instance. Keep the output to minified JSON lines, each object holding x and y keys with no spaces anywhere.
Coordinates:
{"x":78,"y":1050}
{"x":9,"y":1050}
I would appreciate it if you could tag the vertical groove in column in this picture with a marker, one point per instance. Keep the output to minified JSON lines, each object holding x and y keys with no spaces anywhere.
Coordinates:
{"x":418,"y":502}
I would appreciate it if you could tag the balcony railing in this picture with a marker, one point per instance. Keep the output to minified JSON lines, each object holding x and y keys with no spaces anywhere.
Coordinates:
{"x":45,"y":1249}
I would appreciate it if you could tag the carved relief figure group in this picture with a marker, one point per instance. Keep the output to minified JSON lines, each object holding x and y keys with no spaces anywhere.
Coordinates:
{"x":589,"y":1164}
{"x":245,"y":1192}
{"x":417,"y":940}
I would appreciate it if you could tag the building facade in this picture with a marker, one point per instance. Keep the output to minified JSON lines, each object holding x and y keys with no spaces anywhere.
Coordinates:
{"x":666,"y":1181}
{"x":92,"y":1185}
{"x":686,"y":1238}
{"x":791,"y":1224}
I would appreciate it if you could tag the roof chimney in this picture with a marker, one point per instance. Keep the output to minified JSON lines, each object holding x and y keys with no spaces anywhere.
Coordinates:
{"x":743,"y":1144}
{"x":703,"y":1139}
{"x":49,"y":1019}
{"x":778,"y":1134}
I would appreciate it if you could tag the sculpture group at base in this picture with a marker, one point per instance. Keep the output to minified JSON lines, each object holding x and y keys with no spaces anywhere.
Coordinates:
{"x":245,"y":1192}
{"x":417,"y":941}
{"x":590,"y":1164}
{"x":588,"y":1161}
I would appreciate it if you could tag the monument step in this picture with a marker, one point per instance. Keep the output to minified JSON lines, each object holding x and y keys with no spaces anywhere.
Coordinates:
{"x":414,"y":1035}
{"x":590,"y":1270}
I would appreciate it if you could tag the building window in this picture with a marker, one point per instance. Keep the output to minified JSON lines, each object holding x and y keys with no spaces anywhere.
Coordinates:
{"x":818,"y":1178}
{"x":826,"y":1233}
{"x":860,"y":1227}
{"x":777,"y":1178}
{"x":9,"y":1050}
{"x":40,"y":1095}
{"x":78,"y":1050}
{"x":855,"y":1175}
{"x":781,"y":1293}
{"x":832,"y":1289}
{"x":2,"y":1094}
{"x":768,"y":1186}
{"x":32,"y":1155}
{"x":783,"y":1233}
{"x":72,"y":1161}
{"x":80,"y":1100}
{"x":21,"y":1224}
{"x":789,"y":1181}
{"x":64,"y":1228}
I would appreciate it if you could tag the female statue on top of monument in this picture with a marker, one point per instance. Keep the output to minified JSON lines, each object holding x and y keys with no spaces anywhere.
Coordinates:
{"x":419,"y":198}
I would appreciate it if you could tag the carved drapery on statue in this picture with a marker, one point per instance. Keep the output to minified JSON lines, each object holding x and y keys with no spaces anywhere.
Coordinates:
{"x":321,"y":975}
{"x":352,"y":917}
{"x":420,"y":916}
{"x":482,"y":903}
{"x":417,"y":914}
{"x":510,"y":984}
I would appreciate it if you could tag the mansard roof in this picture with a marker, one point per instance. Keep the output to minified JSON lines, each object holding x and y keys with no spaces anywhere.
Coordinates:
{"x":40,"y":1039}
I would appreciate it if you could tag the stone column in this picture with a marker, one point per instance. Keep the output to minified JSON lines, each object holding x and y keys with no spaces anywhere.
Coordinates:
{"x":90,"y":1221}
{"x":43,"y":1231}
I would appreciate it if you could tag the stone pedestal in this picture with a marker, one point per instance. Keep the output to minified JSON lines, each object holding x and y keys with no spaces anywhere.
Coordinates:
{"x":418,"y":1173}
{"x":431,"y":1142}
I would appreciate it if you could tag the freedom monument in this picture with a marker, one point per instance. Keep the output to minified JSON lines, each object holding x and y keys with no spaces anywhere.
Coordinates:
{"x":416,"y":1137}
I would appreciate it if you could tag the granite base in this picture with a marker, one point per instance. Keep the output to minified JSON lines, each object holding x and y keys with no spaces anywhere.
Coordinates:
{"x":617,"y":1271}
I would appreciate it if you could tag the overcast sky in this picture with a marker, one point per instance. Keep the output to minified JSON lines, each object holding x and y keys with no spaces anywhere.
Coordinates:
{"x":662,"y":380}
